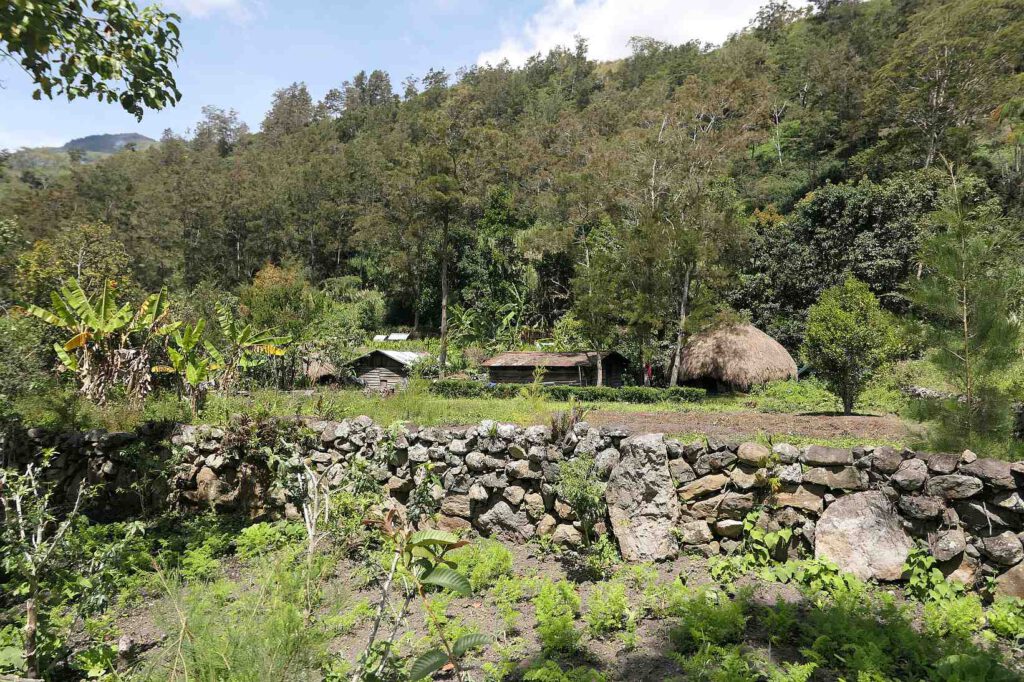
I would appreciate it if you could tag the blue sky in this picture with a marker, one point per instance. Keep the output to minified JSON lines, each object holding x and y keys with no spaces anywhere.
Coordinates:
{"x":235,"y":53}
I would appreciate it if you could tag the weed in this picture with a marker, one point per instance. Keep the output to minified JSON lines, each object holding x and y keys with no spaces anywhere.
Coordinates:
{"x":608,"y":609}
{"x":954,"y":617}
{"x":550,"y":671}
{"x":709,"y":617}
{"x":262,"y":538}
{"x":579,"y":486}
{"x":1006,"y":618}
{"x":925,"y":581}
{"x":557,"y":605}
{"x":506,"y":595}
{"x":483,"y":563}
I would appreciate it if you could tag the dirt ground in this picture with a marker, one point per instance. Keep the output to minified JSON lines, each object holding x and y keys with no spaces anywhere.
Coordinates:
{"x":747,"y":425}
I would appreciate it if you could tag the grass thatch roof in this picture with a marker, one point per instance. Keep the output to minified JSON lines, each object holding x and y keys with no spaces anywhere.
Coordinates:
{"x":740,"y":356}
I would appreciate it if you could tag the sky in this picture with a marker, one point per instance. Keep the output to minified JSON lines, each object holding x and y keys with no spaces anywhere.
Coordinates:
{"x":236,"y":53}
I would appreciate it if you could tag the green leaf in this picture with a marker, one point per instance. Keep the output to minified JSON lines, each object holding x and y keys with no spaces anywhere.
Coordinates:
{"x":442,"y":576}
{"x":427,"y":664}
{"x":469,"y":642}
{"x":433,"y":537}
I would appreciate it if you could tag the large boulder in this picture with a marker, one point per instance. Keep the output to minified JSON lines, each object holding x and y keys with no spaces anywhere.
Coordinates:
{"x":862,"y":534}
{"x":642,"y":502}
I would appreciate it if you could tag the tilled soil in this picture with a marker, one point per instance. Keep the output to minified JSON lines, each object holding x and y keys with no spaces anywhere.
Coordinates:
{"x":747,"y":425}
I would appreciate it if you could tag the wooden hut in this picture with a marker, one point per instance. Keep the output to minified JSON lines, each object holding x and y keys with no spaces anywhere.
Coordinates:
{"x":382,"y":370}
{"x":735,"y":358}
{"x":573,"y":369}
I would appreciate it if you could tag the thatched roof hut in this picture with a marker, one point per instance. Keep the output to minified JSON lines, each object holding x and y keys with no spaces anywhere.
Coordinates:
{"x":735,"y":357}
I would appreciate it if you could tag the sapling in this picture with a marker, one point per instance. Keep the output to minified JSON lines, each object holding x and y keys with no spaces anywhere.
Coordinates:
{"x":33,"y":540}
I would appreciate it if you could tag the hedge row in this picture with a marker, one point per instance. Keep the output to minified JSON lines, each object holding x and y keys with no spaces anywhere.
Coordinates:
{"x":458,"y":388}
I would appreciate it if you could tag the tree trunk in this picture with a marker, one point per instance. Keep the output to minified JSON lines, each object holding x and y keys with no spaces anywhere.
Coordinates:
{"x":847,"y":403}
{"x":600,"y":369}
{"x":677,"y":356}
{"x":442,"y":353}
{"x":31,"y":627}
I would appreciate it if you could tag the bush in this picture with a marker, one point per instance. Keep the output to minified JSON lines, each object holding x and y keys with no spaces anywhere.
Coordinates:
{"x":848,"y":338}
{"x":550,"y":671}
{"x":1006,"y":618}
{"x":483,"y":563}
{"x":579,"y":486}
{"x":709,"y":618}
{"x":263,"y":538}
{"x":957,"y":618}
{"x":608,"y":609}
{"x":461,"y":388}
{"x":557,"y":606}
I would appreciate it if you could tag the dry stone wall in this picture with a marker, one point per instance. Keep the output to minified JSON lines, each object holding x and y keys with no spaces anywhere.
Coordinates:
{"x":863,"y":507}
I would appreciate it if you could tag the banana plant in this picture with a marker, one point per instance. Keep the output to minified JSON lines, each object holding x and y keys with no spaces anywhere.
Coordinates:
{"x":420,"y":563}
{"x":244,"y":346}
{"x":108,"y":344}
{"x":193,"y":366}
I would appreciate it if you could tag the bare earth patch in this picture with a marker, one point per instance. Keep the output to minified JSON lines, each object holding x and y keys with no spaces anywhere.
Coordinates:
{"x":748,"y":425}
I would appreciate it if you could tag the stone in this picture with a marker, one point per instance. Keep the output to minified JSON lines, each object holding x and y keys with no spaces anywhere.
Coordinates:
{"x":819,"y":455}
{"x":478,"y":493}
{"x":514,"y":494}
{"x":729,"y":528}
{"x":695,"y":533}
{"x":533,"y":503}
{"x":1009,"y":500}
{"x":947,"y":544}
{"x":564,"y":511}
{"x":502,"y":520}
{"x":787,"y":454}
{"x":516,"y":451}
{"x":837,"y":478}
{"x":754,"y":454}
{"x":800,"y":497}
{"x":886,"y":460}
{"x":605,"y":461}
{"x":940,"y":462}
{"x":966,"y":457}
{"x":792,"y":474}
{"x":642,"y":502}
{"x":419,"y":453}
{"x":1011,"y":583}
{"x":962,"y":569}
{"x":725,"y":506}
{"x":997,"y":474}
{"x":922,"y":506}
{"x":1004,"y":549}
{"x":523,"y":468}
{"x":453,"y":524}
{"x":458,"y":446}
{"x":744,"y":480}
{"x":566,"y":535}
{"x":979,"y":515}
{"x":703,"y":486}
{"x":713,"y":461}
{"x":954,"y":486}
{"x":910,"y":475}
{"x":397,"y":484}
{"x":547,"y":525}
{"x":681,"y":471}
{"x":862,"y":534}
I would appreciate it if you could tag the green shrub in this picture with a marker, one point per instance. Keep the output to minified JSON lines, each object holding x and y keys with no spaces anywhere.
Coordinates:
{"x":579,"y":486}
{"x":557,"y":605}
{"x":550,"y":671}
{"x":808,"y":395}
{"x":459,"y":388}
{"x":608,"y":609}
{"x":263,"y":538}
{"x":709,"y":618}
{"x":956,"y":617}
{"x":1006,"y":618}
{"x":483,"y":563}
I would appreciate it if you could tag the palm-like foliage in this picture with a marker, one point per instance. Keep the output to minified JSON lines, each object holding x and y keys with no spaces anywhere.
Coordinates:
{"x":244,"y":346}
{"x":195,"y":367}
{"x":109,"y":344}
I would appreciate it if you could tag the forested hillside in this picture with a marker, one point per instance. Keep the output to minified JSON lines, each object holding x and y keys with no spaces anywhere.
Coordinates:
{"x":644,"y":197}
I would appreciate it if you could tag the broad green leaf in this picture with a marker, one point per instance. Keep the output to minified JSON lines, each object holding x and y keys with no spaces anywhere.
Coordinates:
{"x":427,"y":664}
{"x":442,"y":576}
{"x":66,"y":359}
{"x":469,"y":642}
{"x":433,"y":537}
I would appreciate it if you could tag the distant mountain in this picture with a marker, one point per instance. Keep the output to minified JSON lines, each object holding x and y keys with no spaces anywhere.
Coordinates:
{"x":110,"y":143}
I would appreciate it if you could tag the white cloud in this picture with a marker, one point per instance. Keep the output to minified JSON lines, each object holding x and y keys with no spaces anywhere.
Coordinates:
{"x":238,"y":10}
{"x":15,"y":139}
{"x":609,"y":24}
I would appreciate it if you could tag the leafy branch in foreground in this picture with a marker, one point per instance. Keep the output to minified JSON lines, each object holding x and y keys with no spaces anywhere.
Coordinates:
{"x":419,"y":563}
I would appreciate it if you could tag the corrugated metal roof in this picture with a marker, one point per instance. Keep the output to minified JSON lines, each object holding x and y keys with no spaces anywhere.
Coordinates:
{"x":406,"y":357}
{"x":542,"y":359}
{"x":398,"y":336}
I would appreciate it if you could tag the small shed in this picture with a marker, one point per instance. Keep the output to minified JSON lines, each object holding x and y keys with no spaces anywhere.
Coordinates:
{"x":382,"y":370}
{"x":572,"y":369}
{"x":735,"y":358}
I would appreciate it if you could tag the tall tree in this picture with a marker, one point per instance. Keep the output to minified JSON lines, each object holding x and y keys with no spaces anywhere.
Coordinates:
{"x":113,"y":51}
